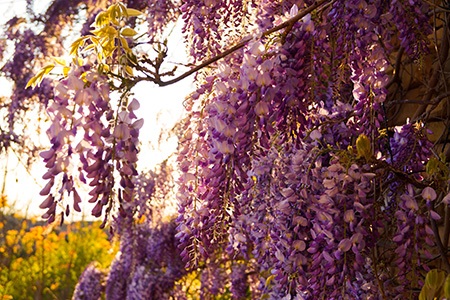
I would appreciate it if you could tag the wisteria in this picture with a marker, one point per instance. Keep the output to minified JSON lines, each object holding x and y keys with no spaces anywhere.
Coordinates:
{"x":311,"y":160}
{"x":148,"y":264}
{"x":108,"y":144}
{"x":210,"y":24}
{"x":91,"y":283}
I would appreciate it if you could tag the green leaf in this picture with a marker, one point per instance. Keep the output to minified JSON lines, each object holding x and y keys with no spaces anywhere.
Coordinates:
{"x":447,"y":287}
{"x":102,"y":19}
{"x":133,"y":12}
{"x":48,"y":68}
{"x":60,"y":61}
{"x":363,"y":147}
{"x":76,"y":44}
{"x":128,"y":31}
{"x":36,"y":80}
{"x":434,"y":285}
{"x":31,"y":82}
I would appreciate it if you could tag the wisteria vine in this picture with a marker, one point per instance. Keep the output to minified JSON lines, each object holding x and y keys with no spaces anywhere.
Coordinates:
{"x":301,"y":173}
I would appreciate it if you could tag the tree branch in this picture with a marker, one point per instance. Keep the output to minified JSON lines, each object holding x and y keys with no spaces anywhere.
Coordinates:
{"x":238,"y":46}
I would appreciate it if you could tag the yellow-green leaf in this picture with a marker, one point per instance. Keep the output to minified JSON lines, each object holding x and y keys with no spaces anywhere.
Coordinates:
{"x":102,"y":19}
{"x":432,"y":166}
{"x":435,"y":278}
{"x":129,"y":70}
{"x":94,"y":40}
{"x":73,"y":49}
{"x":103,"y":68}
{"x":76,"y":44}
{"x":108,"y":50}
{"x":447,"y":287}
{"x":60,"y":61}
{"x":66,"y":71}
{"x":105,"y":31}
{"x":124,"y":43}
{"x":114,"y":14}
{"x":133,"y":12}
{"x":363,"y":147}
{"x":47,"y":69}
{"x":121,"y":8}
{"x":109,"y":30}
{"x":128,"y":31}
{"x":98,"y":31}
{"x":89,"y":47}
{"x":437,"y":168}
{"x":132,"y":58}
{"x":269,"y":280}
{"x":36,"y":80}
{"x":434,"y":285}
{"x":77,"y":61}
{"x":31,"y":82}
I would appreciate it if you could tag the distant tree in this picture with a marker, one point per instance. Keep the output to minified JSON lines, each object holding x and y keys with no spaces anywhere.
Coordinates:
{"x":311,"y":158}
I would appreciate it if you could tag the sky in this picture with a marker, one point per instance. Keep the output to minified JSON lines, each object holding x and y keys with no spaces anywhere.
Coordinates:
{"x":160,"y":107}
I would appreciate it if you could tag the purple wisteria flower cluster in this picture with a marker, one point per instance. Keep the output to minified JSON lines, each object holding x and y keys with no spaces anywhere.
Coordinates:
{"x":85,"y":127}
{"x":208,"y":24}
{"x":275,"y":173}
{"x":91,"y":284}
{"x":147,"y":266}
{"x":293,"y":183}
{"x":161,"y":13}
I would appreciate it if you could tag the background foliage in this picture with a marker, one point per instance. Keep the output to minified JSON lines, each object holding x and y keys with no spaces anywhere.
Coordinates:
{"x":39,"y":261}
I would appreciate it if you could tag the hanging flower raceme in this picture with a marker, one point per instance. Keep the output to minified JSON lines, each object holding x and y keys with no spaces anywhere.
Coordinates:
{"x":213,"y":23}
{"x":88,"y":144}
{"x":93,"y":137}
{"x":293,"y":164}
{"x":72,"y":102}
{"x":160,"y":13}
{"x":148,"y":263}
{"x":91,"y":284}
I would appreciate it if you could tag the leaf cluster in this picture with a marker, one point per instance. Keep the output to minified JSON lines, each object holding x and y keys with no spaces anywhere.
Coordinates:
{"x":436,"y":286}
{"x":108,"y":43}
